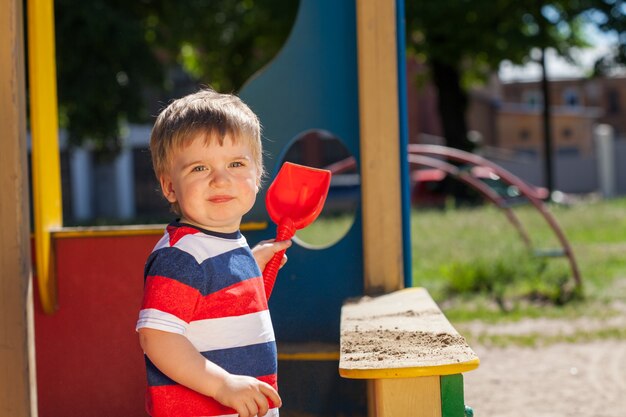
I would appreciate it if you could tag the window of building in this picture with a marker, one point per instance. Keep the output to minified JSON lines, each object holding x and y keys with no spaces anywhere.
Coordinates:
{"x":571,"y":97}
{"x":532,"y":98}
{"x":593,"y":91}
{"x":524,"y":135}
{"x":567,"y":133}
{"x":568,"y":151}
{"x":613,"y":104}
{"x":525,"y":153}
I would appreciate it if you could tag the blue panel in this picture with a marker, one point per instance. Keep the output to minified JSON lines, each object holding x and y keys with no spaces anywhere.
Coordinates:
{"x":404,"y":142}
{"x":312,"y":286}
{"x":311,"y":84}
{"x":314,"y":388}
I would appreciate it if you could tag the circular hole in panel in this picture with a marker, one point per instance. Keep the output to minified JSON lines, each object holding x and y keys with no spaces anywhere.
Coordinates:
{"x":322,"y":149}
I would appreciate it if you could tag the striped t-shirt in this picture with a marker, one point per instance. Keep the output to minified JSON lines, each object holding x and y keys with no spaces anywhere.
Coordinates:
{"x":206,"y":286}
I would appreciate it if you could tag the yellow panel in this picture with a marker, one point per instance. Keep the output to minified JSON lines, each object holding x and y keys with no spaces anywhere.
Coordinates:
{"x":451,"y":369}
{"x":45,"y":148}
{"x":410,"y":397}
{"x":310,"y":351}
{"x":309,"y":356}
{"x":380,"y":157}
{"x":136,"y":230}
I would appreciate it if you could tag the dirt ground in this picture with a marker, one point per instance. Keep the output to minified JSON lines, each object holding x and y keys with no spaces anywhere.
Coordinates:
{"x":553,"y":380}
{"x":576,"y":367}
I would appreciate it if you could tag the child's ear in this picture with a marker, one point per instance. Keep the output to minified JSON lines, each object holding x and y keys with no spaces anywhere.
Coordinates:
{"x":167,"y":188}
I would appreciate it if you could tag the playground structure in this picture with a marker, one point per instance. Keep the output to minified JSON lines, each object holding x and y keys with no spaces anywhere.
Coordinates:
{"x":415,"y":359}
{"x":425,"y":155}
{"x":439,"y":157}
{"x":70,"y":345}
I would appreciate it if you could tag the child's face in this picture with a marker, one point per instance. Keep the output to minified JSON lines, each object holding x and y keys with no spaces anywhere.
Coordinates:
{"x":213,"y":185}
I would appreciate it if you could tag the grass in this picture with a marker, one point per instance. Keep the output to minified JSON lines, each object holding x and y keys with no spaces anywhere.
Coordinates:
{"x":536,"y":339}
{"x":476,"y":266}
{"x":452,"y":248}
{"x":325,"y":231}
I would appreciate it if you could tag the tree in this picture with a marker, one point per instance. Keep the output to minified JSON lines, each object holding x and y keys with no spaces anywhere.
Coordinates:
{"x":462,"y":41}
{"x":608,"y":16}
{"x":103,"y":66}
{"x":113,"y":54}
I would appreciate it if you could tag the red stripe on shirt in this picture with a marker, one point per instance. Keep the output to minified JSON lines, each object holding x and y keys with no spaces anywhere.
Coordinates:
{"x":170,"y":296}
{"x":180,"y":401}
{"x":271,"y":380}
{"x":178,"y":232}
{"x":241,"y":298}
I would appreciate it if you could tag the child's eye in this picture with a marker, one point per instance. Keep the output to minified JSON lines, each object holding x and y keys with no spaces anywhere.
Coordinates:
{"x":198,"y":168}
{"x":236,"y":164}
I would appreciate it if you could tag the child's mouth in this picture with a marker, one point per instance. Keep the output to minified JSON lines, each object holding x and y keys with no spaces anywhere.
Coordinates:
{"x":221,"y":199}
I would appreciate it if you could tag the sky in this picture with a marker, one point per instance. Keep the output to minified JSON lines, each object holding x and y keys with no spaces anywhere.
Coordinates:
{"x":557,"y":67}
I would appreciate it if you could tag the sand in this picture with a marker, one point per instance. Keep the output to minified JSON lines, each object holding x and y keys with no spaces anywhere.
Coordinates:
{"x":586,"y":378}
{"x":404,"y":329}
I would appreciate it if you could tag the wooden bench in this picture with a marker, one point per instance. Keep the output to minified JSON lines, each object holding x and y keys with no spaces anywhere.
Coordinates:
{"x":413,"y":356}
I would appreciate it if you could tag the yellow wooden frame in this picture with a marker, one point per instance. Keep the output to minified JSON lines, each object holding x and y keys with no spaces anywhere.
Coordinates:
{"x":404,"y":386}
{"x":439,"y":370}
{"x":414,"y":397}
{"x":419,"y":299}
{"x":46,"y":181}
{"x":380,"y":146}
{"x":134,"y":230}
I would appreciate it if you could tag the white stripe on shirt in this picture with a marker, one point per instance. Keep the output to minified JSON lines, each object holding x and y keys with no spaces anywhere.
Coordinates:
{"x":160,"y":320}
{"x":202,"y":246}
{"x":230,"y":332}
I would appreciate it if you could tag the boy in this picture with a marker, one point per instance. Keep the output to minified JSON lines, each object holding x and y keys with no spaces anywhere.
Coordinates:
{"x":204,"y":324}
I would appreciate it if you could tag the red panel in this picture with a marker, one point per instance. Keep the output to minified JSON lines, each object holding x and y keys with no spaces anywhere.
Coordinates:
{"x":89,"y":362}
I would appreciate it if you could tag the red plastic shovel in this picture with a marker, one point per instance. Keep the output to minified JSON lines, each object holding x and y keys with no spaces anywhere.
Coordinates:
{"x":294,"y":200}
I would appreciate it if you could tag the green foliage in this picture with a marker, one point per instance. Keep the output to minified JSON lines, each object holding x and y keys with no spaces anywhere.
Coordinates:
{"x":103,"y":68}
{"x":220,"y":43}
{"x":116,"y":58}
{"x":511,"y":276}
{"x":475,"y":264}
{"x":537,"y":339}
{"x":462,"y":42}
{"x":476,"y":36}
{"x":608,"y":16}
{"x":326,"y":230}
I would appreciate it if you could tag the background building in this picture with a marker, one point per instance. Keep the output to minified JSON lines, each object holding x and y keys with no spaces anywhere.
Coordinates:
{"x":505,"y":119}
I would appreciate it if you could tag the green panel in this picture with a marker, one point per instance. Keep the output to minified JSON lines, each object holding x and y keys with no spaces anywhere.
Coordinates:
{"x":452,"y":399}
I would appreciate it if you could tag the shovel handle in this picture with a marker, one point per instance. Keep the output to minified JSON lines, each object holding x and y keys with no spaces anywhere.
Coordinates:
{"x":286,"y":230}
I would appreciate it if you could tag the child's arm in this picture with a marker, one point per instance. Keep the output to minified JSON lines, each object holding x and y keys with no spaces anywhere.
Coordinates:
{"x":176,"y":357}
{"x":265,"y":250}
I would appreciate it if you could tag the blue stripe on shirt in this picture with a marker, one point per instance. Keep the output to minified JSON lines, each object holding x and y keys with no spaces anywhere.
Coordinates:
{"x":254,"y":360}
{"x":212,"y":275}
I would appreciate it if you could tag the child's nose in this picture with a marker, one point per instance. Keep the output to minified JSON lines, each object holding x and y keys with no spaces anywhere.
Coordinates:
{"x":219,"y":177}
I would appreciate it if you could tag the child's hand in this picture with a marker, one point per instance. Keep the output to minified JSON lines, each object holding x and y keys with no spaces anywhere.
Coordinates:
{"x":247,"y":395}
{"x":266,"y":249}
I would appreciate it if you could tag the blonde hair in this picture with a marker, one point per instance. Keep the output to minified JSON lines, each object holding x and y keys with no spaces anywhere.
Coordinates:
{"x":208,"y":113}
